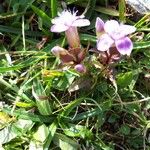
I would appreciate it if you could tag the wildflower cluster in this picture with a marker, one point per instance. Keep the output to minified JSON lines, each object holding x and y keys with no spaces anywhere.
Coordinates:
{"x":112,"y":39}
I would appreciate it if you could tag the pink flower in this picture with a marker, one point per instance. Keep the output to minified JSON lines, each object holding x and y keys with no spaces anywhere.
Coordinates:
{"x":112,"y":34}
{"x":68,"y":22}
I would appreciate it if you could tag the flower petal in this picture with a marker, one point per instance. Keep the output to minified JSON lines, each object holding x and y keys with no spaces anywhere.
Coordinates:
{"x":59,"y":28}
{"x":104,"y":42}
{"x":111,"y":26}
{"x":124,"y":46}
{"x":57,"y":50}
{"x":99,"y":25}
{"x":127,"y":29}
{"x":81,"y":23}
{"x":63,"y":54}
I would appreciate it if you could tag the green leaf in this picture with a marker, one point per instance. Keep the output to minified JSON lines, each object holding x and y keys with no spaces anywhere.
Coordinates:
{"x":25,"y":105}
{"x":124,"y":79}
{"x":7,"y":134}
{"x":46,"y":19}
{"x":65,"y":143}
{"x":41,"y":134}
{"x":141,"y":45}
{"x":52,"y":131}
{"x":90,"y":8}
{"x":108,"y":11}
{"x":22,"y":114}
{"x":44,"y":107}
{"x":128,"y":78}
{"x":88,"y":37}
{"x":15,"y":129}
{"x":42,"y":101}
{"x":73,"y":130}
{"x":122,"y":10}
{"x":53,"y":8}
{"x":4,"y":119}
{"x":9,"y":29}
{"x":63,"y":82}
{"x":125,"y":129}
{"x":71,"y":106}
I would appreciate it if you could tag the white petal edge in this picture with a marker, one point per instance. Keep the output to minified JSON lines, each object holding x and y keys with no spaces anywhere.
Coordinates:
{"x":81,"y":23}
{"x":111,"y":26}
{"x":127,"y":29}
{"x":59,"y":28}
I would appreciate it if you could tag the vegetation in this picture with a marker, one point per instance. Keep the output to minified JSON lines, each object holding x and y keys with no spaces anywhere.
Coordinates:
{"x":45,"y":104}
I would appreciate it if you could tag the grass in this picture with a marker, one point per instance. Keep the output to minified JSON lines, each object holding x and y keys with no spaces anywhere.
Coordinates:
{"x":45,"y":107}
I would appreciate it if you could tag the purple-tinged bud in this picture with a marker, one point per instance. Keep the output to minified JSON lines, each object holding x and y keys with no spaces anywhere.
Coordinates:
{"x":57,"y":50}
{"x":80,"y":68}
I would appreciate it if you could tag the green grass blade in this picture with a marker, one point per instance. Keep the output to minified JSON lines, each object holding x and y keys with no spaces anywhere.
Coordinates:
{"x":122,"y":9}
{"x":46,"y":19}
{"x":140,"y":45}
{"x":53,"y":8}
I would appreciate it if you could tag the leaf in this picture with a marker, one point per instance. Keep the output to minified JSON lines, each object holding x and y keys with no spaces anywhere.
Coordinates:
{"x":46,"y":19}
{"x":7,"y":134}
{"x":9,"y":29}
{"x":52,"y":73}
{"x":65,"y":143}
{"x":42,"y":101}
{"x":35,"y":145}
{"x":88,"y":37}
{"x":31,"y":61}
{"x":22,"y":114}
{"x":53,"y":8}
{"x":70,"y":106}
{"x":122,"y":10}
{"x":85,"y":115}
{"x":41,"y":134}
{"x":24,"y":105}
{"x":44,"y":107}
{"x":77,"y":131}
{"x":52,"y":131}
{"x":53,"y":43}
{"x":4,"y":119}
{"x":124,"y":79}
{"x":90,"y":8}
{"x":80,"y":84}
{"x":125,"y":129}
{"x":15,"y":129}
{"x":128,"y":78}
{"x":140,"y":45}
{"x":23,"y":125}
{"x":63,"y":82}
{"x":108,"y":11}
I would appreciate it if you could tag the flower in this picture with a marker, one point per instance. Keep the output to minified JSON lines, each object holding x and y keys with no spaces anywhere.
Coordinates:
{"x":112,"y":33}
{"x":68,"y":22}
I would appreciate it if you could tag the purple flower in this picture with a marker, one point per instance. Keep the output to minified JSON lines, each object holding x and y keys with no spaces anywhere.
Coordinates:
{"x":112,"y":34}
{"x":80,"y":68}
{"x":68,"y":22}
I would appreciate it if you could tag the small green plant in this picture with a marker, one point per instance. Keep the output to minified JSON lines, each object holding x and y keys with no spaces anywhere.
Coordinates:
{"x":85,"y":89}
